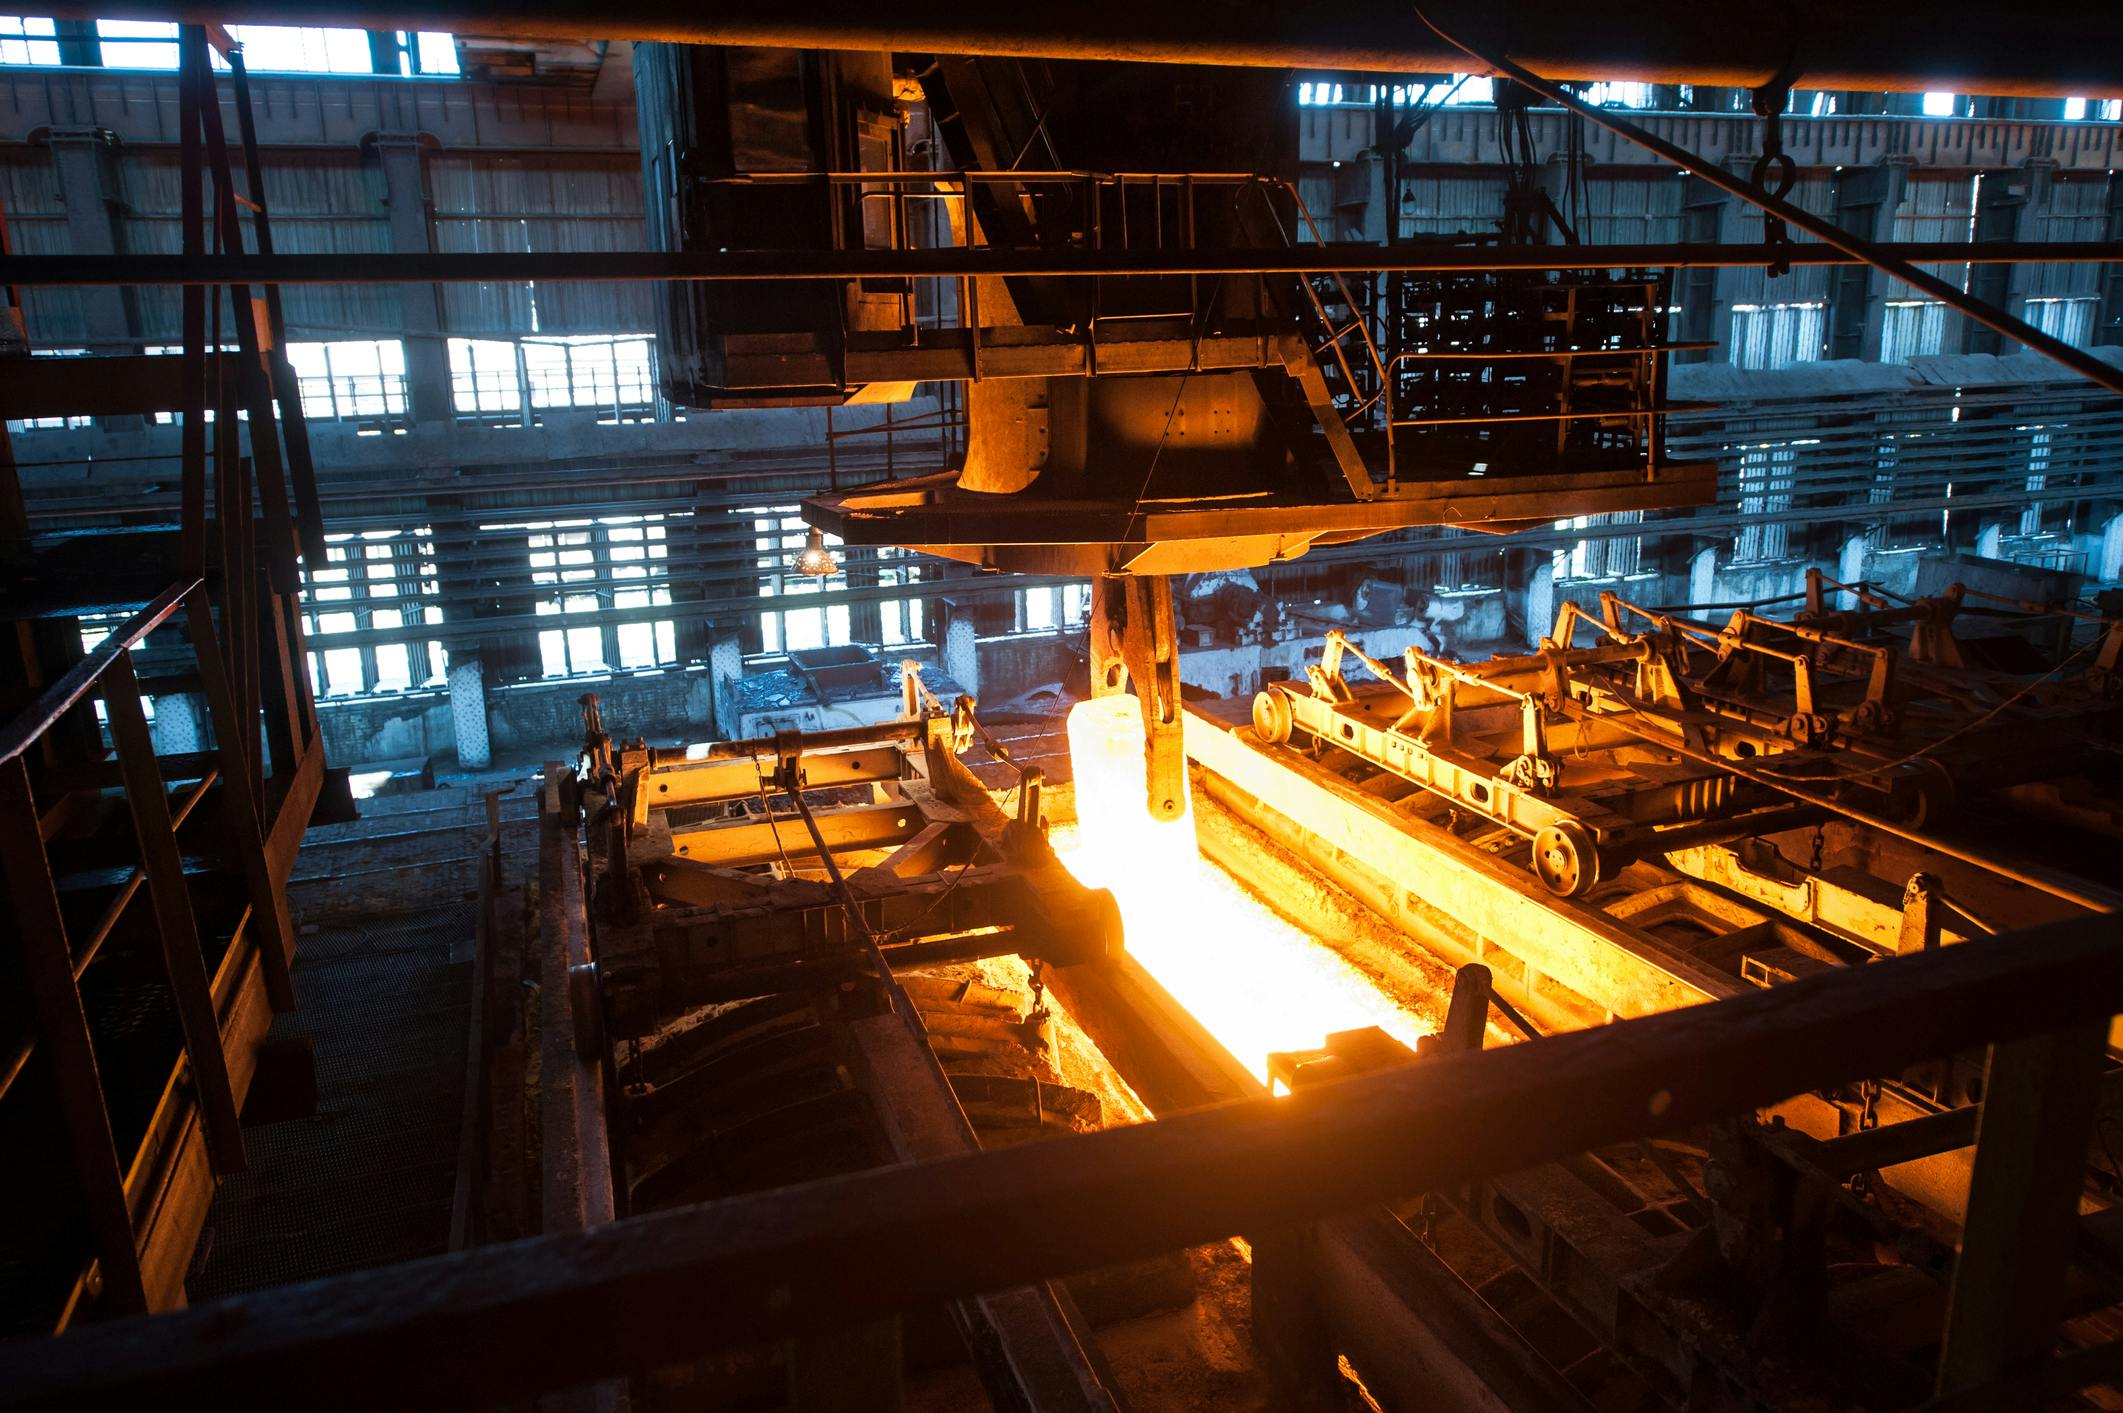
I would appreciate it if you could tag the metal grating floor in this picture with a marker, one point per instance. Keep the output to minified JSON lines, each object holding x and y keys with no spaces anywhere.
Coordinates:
{"x":369,"y":1179}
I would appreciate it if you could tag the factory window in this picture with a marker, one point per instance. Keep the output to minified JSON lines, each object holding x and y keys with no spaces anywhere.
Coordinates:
{"x":2037,"y":479}
{"x":406,"y":53}
{"x":585,"y":564}
{"x":611,"y":372}
{"x":1776,"y":335}
{"x":350,"y":378}
{"x":378,"y":581}
{"x":778,"y":537}
{"x":1600,"y":556}
{"x":27,"y":39}
{"x":637,"y":553}
{"x":302,"y":50}
{"x":484,"y":376}
{"x":1457,"y":90}
{"x":298,"y":49}
{"x":2070,"y":320}
{"x":137,"y":44}
{"x":1049,"y":609}
{"x":1766,"y":475}
{"x":1942,"y":105}
{"x":1911,"y":328}
{"x":1619,"y":95}
{"x":2107,"y":110}
{"x":899,"y":620}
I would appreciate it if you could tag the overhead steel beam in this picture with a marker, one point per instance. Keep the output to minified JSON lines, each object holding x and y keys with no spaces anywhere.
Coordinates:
{"x":740,"y":266}
{"x":480,"y":1325}
{"x":1968,"y":46}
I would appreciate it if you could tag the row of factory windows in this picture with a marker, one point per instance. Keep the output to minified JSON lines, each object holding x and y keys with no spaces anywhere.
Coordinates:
{"x":296,"y":49}
{"x":1457,"y":90}
{"x":353,"y":379}
{"x":615,"y":374}
{"x":364,"y":380}
{"x":1768,"y":483}
{"x":580,"y":570}
{"x":385,"y":581}
{"x":1778,"y":335}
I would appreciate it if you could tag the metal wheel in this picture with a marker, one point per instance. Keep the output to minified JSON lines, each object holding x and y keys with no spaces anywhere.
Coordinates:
{"x":1271,"y":716}
{"x":1565,"y":859}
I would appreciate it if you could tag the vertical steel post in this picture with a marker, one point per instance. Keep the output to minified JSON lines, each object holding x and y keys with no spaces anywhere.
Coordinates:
{"x":2008,"y":1298}
{"x":68,"y":1048}
{"x":183,"y":961}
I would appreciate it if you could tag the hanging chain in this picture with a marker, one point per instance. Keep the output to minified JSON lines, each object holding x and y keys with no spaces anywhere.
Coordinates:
{"x":1868,"y":1118}
{"x":1770,"y":101}
{"x":1820,"y":841}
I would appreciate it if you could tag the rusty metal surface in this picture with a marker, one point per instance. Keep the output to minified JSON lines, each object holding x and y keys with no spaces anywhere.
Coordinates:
{"x":578,"y":1160}
{"x":652,"y":1289}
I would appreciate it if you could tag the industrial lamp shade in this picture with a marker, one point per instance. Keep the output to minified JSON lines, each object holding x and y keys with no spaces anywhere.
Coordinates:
{"x":814,"y":558}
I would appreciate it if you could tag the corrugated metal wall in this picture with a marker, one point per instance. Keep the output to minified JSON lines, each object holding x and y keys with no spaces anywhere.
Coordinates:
{"x":332,"y":203}
{"x":1632,"y":210}
{"x":328,"y":203}
{"x":1806,"y":284}
{"x":36,"y":225}
{"x":567,"y":201}
{"x":2077,"y":210}
{"x":1438,"y":205}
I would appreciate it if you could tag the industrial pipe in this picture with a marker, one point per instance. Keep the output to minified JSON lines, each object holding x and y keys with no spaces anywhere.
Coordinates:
{"x":741,"y":266}
{"x":2056,"y":50}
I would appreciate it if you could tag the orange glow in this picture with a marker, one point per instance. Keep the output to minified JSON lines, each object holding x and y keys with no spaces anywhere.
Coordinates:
{"x":1255,"y":981}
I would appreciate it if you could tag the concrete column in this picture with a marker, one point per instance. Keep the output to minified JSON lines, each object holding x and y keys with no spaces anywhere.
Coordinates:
{"x":411,"y":210}
{"x":178,"y":728}
{"x":1703,"y":576}
{"x":726,"y":664}
{"x":1540,"y":601}
{"x":1850,"y":567}
{"x":85,"y":173}
{"x":468,"y":713}
{"x":961,"y":652}
{"x":2108,"y":564}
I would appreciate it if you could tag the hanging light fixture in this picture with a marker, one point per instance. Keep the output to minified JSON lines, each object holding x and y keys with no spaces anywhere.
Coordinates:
{"x":815,"y":559}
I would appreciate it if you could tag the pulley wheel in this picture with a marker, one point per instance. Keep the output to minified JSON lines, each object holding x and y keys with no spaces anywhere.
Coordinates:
{"x":1565,"y":859}
{"x":1271,"y":717}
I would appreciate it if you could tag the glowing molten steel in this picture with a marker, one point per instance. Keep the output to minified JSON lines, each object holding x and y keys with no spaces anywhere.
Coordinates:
{"x":1256,"y":982}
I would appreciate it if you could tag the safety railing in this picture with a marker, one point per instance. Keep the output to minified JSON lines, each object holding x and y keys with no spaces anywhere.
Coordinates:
{"x":56,"y":960}
{"x":1117,"y":211}
{"x":184,"y":979}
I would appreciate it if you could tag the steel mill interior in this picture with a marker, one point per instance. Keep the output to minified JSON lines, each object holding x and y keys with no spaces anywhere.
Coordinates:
{"x":1077,"y":707}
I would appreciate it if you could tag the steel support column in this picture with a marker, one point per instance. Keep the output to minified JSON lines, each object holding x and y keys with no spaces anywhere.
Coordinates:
{"x":427,"y":362}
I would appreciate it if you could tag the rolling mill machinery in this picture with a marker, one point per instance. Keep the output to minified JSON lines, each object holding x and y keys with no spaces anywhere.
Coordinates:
{"x":1127,"y":428}
{"x":1751,"y":971}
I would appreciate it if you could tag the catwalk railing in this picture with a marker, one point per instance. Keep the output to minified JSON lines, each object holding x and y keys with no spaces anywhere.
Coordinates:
{"x":476,"y":1326}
